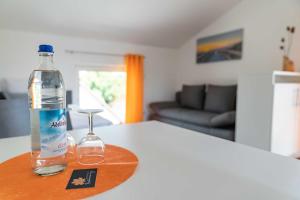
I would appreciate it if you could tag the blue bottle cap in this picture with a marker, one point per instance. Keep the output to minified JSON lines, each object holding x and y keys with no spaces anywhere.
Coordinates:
{"x":46,"y":48}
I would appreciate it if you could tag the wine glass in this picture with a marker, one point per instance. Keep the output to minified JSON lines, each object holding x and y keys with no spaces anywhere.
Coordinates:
{"x":90,"y":149}
{"x":71,"y":144}
{"x":71,"y":147}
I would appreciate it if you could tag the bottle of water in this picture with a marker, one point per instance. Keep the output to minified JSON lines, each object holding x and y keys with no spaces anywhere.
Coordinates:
{"x":46,"y":93}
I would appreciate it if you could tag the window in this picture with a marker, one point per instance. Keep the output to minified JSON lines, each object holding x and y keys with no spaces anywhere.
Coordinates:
{"x":104,"y":89}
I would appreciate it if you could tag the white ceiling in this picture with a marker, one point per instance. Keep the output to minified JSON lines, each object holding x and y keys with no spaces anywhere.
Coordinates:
{"x":164,"y":23}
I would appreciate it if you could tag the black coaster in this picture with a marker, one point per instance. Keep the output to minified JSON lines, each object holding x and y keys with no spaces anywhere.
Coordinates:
{"x":82,"y":178}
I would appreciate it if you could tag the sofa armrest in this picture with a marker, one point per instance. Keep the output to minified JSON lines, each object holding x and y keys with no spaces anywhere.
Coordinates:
{"x":156,"y":106}
{"x":224,"y":119}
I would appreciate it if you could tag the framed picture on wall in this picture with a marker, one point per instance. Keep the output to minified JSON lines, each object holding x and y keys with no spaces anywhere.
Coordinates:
{"x":221,"y":47}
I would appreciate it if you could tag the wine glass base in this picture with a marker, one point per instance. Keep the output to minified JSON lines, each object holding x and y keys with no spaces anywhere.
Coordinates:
{"x":91,"y":160}
{"x":90,"y":155}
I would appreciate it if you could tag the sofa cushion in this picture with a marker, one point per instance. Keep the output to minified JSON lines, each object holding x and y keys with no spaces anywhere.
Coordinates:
{"x":225,"y":133}
{"x":188,"y":115}
{"x":192,"y":96}
{"x":220,"y":98}
{"x":224,"y":119}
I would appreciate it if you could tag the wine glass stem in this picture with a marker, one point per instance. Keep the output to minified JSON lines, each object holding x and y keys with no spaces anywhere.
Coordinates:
{"x":91,"y":131}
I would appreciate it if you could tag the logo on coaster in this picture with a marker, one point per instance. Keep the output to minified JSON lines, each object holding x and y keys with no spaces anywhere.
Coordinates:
{"x":82,"y":178}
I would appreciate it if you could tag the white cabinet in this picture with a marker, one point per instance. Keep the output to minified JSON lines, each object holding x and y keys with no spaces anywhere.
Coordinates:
{"x":285,"y":124}
{"x":268,"y":112}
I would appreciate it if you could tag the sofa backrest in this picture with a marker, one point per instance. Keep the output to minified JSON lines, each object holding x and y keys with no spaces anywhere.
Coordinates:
{"x":218,"y":98}
{"x":15,"y":118}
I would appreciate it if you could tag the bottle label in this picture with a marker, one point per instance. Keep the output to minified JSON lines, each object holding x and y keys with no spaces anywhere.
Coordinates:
{"x":53,"y":139}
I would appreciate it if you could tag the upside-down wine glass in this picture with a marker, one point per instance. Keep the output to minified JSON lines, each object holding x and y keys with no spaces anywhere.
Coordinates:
{"x":90,"y":149}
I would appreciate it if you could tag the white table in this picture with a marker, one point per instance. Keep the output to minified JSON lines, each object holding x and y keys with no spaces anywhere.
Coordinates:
{"x":176,"y":164}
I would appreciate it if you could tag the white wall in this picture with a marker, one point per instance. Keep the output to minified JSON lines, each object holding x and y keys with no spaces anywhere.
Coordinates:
{"x":18,"y":58}
{"x":264,"y":23}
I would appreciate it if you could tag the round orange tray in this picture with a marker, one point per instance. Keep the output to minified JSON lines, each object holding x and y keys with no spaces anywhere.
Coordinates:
{"x":17,"y":181}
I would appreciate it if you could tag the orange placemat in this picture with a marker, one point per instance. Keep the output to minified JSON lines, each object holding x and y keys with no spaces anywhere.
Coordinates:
{"x":17,"y":180}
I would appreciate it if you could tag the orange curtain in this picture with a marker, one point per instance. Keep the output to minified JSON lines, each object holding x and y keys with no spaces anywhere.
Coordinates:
{"x":134,"y":88}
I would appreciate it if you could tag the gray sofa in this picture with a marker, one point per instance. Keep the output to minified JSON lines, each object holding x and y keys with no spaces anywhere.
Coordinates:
{"x":14,"y":116}
{"x":208,"y":109}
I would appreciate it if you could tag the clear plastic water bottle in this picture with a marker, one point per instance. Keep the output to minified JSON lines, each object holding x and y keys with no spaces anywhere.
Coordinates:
{"x":46,"y":93}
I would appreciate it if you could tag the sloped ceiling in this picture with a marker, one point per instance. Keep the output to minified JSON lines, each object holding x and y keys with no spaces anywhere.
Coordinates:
{"x":163,"y":23}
